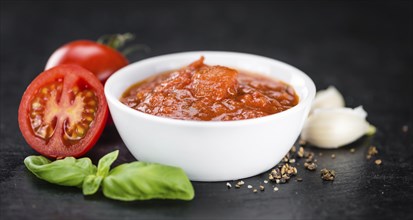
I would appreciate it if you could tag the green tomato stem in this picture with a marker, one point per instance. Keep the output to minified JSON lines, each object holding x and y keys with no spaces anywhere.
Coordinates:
{"x":116,"y":41}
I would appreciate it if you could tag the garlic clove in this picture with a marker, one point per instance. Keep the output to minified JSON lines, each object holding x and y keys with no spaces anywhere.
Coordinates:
{"x":335,"y":127}
{"x":329,"y":98}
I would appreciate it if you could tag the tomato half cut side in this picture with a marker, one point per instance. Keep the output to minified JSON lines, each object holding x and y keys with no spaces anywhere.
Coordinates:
{"x":63,"y":112}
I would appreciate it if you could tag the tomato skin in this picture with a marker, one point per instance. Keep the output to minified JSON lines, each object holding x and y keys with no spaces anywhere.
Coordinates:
{"x":99,"y":59}
{"x":55,"y":148}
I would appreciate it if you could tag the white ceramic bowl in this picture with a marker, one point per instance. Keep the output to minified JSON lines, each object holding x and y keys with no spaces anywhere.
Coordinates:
{"x":206,"y":150}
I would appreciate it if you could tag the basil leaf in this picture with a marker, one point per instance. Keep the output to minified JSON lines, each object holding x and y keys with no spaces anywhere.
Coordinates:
{"x":105,"y":162}
{"x":65,"y":172}
{"x":92,"y":182}
{"x":142,"y":181}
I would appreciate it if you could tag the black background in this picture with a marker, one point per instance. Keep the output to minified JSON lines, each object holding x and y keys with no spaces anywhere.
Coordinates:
{"x":362,"y":48}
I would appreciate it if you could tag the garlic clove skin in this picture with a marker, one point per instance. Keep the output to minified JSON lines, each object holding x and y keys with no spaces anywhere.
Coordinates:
{"x":329,"y":98}
{"x":335,"y":127}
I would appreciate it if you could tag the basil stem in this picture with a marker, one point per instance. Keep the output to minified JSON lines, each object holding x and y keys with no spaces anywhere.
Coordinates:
{"x":142,"y":181}
{"x":92,"y":183}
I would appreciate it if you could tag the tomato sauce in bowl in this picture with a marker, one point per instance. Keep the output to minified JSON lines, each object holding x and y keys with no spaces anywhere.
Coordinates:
{"x":210,"y":93}
{"x":202,"y":97}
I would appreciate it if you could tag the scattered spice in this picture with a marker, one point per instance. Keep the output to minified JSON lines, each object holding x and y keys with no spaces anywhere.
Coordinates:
{"x":286,"y":158}
{"x":328,"y":175}
{"x":310,"y":166}
{"x":309,"y":155}
{"x":239,"y":184}
{"x":309,"y":160}
{"x":284,"y":171}
{"x":300,"y":152}
{"x":275,"y":174}
{"x":288,"y":170}
{"x":371,"y":152}
{"x":229,"y":185}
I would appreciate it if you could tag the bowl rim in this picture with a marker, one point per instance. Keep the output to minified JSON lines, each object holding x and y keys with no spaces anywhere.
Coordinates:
{"x":308,"y":83}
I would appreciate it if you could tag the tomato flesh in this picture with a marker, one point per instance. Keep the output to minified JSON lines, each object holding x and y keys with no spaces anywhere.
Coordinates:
{"x":63,"y":112}
{"x":43,"y":108}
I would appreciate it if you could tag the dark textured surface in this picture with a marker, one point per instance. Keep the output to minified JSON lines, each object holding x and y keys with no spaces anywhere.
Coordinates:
{"x":364,"y":49}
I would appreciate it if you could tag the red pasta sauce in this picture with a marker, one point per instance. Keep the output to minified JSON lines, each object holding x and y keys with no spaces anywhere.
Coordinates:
{"x":210,"y":93}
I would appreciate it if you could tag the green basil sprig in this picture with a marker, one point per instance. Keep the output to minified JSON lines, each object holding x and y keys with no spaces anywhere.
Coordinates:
{"x":126,"y":182}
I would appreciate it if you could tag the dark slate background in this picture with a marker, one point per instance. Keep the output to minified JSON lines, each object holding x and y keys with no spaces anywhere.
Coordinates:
{"x":362,"y":48}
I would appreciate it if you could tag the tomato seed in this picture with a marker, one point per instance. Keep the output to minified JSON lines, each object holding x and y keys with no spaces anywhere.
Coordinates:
{"x":36,"y":105}
{"x":90,"y":110}
{"x":75,"y":90}
{"x":80,"y":131}
{"x":89,"y":93}
{"x":92,"y":103}
{"x":44,"y":90}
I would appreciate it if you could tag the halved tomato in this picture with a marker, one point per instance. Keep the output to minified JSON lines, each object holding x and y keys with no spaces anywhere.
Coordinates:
{"x":63,"y":112}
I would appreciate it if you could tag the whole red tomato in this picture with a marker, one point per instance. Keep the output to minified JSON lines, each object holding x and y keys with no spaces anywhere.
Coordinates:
{"x":98,"y":58}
